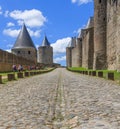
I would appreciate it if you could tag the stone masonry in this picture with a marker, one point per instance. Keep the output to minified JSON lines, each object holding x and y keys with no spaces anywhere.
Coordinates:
{"x":104,"y":39}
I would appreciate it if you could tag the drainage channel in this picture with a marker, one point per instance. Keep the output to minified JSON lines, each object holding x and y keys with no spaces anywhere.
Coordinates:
{"x":58,"y":111}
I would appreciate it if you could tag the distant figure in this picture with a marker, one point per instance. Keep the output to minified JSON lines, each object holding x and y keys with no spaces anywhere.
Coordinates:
{"x":20,"y":68}
{"x":14,"y":68}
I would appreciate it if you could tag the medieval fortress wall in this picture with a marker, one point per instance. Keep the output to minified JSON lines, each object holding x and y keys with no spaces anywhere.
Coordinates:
{"x":100,"y":39}
{"x":8,"y":59}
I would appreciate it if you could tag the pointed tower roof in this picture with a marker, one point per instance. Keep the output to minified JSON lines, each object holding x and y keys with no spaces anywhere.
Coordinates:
{"x":45,"y":42}
{"x":23,"y":40}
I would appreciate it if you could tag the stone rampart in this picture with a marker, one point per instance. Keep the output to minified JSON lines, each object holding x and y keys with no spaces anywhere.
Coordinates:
{"x":8,"y":59}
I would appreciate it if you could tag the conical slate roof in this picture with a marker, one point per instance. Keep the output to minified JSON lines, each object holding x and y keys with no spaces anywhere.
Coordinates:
{"x":23,"y":40}
{"x":45,"y":42}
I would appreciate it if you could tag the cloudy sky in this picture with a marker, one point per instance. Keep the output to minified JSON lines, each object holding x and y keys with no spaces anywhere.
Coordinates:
{"x":58,"y":19}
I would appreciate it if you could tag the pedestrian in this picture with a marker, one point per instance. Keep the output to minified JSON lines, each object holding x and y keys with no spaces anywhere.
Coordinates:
{"x":14,"y":68}
{"x":20,"y":68}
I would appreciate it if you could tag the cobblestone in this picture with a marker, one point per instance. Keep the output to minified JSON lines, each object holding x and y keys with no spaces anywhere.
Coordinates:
{"x":60,"y":100}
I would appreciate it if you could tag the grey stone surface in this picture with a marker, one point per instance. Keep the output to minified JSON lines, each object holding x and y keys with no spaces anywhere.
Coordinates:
{"x":60,"y":100}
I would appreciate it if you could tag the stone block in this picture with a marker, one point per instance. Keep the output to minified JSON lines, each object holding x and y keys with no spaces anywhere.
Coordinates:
{"x":93,"y":73}
{"x":26,"y":74}
{"x":0,"y":79}
{"x":20,"y":75}
{"x":11,"y":77}
{"x":31,"y":73}
{"x":100,"y":74}
{"x":111,"y":76}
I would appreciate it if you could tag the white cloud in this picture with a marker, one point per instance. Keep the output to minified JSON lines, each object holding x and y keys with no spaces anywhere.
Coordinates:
{"x":60,"y":45}
{"x":34,"y":33}
{"x":59,"y":59}
{"x":32,"y":18}
{"x":14,"y":32}
{"x":0,"y":10}
{"x":8,"y":50}
{"x":10,"y":32}
{"x":9,"y":24}
{"x":74,"y":1}
{"x":6,"y":13}
{"x":81,"y":1}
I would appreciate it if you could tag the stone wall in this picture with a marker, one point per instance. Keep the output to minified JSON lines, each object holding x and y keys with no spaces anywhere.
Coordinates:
{"x":100,"y":39}
{"x":69,"y":57}
{"x":100,"y":18}
{"x":88,"y":48}
{"x":8,"y":59}
{"x":77,"y":54}
{"x":113,"y":35}
{"x":29,"y":53}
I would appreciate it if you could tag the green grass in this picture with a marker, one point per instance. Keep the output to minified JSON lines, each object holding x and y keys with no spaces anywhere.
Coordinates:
{"x":4,"y":74}
{"x":78,"y":69}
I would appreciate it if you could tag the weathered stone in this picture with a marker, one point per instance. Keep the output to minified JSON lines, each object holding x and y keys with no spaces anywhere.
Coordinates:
{"x":26,"y":74}
{"x":0,"y":79}
{"x":111,"y":76}
{"x":20,"y":75}
{"x":93,"y":73}
{"x":100,"y":74}
{"x":45,"y":52}
{"x":31,"y":73}
{"x":11,"y":77}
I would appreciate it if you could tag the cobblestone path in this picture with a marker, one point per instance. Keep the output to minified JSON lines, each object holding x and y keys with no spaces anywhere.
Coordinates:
{"x":60,"y":100}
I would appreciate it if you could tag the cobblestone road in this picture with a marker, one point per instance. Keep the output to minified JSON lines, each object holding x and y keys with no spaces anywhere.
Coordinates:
{"x":60,"y":100}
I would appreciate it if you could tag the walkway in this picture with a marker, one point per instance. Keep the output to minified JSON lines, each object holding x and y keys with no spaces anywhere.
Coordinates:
{"x":60,"y":100}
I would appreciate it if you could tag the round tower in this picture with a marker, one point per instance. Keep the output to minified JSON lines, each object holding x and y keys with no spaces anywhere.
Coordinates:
{"x":79,"y":51}
{"x":100,"y":8}
{"x":68,"y":57}
{"x":24,"y":46}
{"x":45,"y":52}
{"x":69,"y":52}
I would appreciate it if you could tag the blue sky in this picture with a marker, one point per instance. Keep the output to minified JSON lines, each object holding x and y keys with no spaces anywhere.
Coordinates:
{"x":58,"y":19}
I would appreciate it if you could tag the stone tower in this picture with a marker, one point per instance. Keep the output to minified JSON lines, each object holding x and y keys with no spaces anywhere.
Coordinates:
{"x":45,"y":52}
{"x":113,"y":34}
{"x":87,"y":35}
{"x":68,"y":56}
{"x":77,"y":53}
{"x":69,"y":48}
{"x":24,"y":46}
{"x":100,"y":13}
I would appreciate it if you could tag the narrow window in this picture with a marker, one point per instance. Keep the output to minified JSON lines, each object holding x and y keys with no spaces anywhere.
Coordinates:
{"x":100,"y":1}
{"x":18,"y":52}
{"x":29,"y":52}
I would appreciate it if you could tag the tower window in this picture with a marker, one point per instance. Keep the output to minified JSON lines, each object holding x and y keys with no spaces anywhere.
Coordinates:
{"x":100,"y":1}
{"x":29,"y":52}
{"x":18,"y":52}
